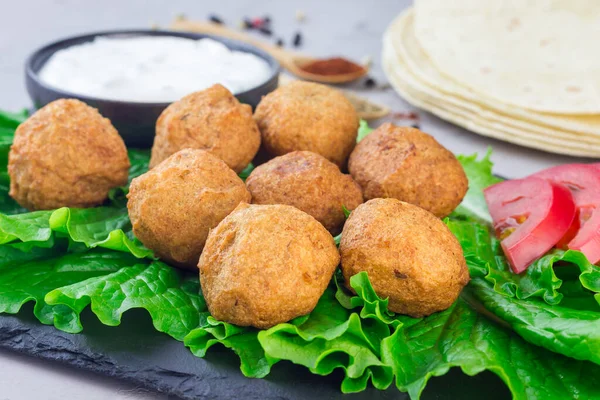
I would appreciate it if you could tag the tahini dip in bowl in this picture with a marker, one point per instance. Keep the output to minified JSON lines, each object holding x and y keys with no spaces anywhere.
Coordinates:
{"x":132,"y":76}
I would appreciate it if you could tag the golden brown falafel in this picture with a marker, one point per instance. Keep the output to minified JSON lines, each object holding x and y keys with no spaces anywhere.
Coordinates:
{"x":173,"y":206}
{"x":266,"y":264}
{"x":212,"y":120}
{"x":66,"y":155}
{"x":410,"y":256}
{"x":409,"y":165}
{"x":308,"y":182}
{"x":308,"y":116}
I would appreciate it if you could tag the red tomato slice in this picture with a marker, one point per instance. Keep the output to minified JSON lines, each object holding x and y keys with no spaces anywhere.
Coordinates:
{"x":530,"y":216}
{"x":584,"y":182}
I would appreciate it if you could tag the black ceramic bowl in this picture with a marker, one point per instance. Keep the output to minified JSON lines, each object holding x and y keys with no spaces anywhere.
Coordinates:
{"x":135,"y":121}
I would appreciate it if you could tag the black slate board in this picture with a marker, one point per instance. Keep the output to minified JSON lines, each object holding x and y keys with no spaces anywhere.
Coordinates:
{"x":135,"y":352}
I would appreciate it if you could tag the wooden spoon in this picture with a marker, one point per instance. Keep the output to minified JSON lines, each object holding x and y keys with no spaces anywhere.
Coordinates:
{"x":291,"y":61}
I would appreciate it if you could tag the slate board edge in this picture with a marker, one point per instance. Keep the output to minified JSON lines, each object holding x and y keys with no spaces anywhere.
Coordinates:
{"x":21,"y":341}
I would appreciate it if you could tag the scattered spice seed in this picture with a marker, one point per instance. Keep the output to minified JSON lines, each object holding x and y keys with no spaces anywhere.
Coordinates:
{"x":416,"y":126}
{"x":215,"y":20}
{"x":297,"y":39}
{"x":267,"y":20}
{"x":279,"y":42}
{"x":370,"y":82}
{"x":247,"y":23}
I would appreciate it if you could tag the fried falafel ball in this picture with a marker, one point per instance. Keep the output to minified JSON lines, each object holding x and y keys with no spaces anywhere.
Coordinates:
{"x":266,"y":264}
{"x":66,"y":155}
{"x":308,"y":182}
{"x":409,"y":165}
{"x":173,"y":206}
{"x":308,"y":116}
{"x":410,"y":256}
{"x":212,"y":120}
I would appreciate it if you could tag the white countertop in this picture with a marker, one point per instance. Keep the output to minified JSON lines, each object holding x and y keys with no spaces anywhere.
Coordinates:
{"x":351,"y":28}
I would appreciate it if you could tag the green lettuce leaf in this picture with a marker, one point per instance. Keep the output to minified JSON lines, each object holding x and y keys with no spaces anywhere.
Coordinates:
{"x":479,"y":173}
{"x":106,"y":227}
{"x":543,"y":279}
{"x":170,"y":297}
{"x":29,"y":275}
{"x":242,"y":341}
{"x":246,"y":172}
{"x":363,"y":130}
{"x":8,"y":123}
{"x":464,"y":337}
{"x":572,"y":332}
{"x":332,"y":337}
{"x":461,"y":337}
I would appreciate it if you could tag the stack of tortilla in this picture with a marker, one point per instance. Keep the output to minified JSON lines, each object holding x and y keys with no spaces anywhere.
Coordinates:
{"x":526,"y":72}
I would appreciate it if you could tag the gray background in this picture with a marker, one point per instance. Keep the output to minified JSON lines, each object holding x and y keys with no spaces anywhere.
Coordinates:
{"x":344,"y":27}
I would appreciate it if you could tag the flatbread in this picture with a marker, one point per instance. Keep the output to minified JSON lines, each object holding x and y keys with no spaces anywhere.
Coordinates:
{"x":472,"y":120}
{"x":539,"y":55}
{"x":402,"y":35}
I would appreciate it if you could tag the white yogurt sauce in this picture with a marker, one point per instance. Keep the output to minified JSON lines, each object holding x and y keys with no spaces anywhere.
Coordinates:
{"x":151,"y":68}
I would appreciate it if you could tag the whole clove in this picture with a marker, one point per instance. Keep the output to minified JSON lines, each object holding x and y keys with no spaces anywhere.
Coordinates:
{"x":297,"y":39}
{"x":370,"y":82}
{"x":215,"y":19}
{"x":265,"y":31}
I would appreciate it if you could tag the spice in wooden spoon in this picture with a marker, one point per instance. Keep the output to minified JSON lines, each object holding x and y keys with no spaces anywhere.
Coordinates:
{"x":303,"y":67}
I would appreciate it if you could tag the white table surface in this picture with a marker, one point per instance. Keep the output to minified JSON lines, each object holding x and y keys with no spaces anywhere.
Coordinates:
{"x":350,"y":28}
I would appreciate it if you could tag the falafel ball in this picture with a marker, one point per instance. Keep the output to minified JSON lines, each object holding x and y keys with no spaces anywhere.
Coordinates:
{"x":173,"y":206}
{"x":409,"y":165}
{"x":308,"y":182}
{"x":410,"y":256}
{"x":308,"y":116}
{"x":266,"y":264}
{"x":66,"y":155}
{"x":212,"y":120}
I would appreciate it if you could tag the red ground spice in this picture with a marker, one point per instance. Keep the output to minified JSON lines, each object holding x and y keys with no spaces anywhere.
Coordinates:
{"x":331,"y":66}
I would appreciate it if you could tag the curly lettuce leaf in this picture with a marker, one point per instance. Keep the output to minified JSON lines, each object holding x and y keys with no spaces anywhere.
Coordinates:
{"x":370,"y":304}
{"x":29,"y":275}
{"x":479,"y":173}
{"x":11,"y":120}
{"x":461,"y":337}
{"x":542,"y":278}
{"x":246,"y":172}
{"x":170,"y":297}
{"x":572,"y":332}
{"x":241,"y":340}
{"x":8,"y":124}
{"x":27,"y":227}
{"x":545,"y":278}
{"x":106,"y":227}
{"x":363,"y":130}
{"x":330,"y":337}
